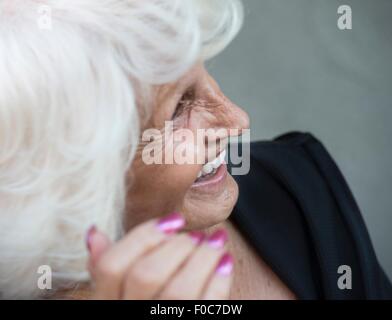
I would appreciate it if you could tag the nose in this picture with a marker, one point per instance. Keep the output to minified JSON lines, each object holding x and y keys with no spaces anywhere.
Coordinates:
{"x":231,"y":115}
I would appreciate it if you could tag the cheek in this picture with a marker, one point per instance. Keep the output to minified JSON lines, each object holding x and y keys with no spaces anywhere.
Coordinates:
{"x":160,"y":186}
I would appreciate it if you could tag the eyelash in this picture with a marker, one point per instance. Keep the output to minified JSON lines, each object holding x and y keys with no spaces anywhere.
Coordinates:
{"x":189,"y":95}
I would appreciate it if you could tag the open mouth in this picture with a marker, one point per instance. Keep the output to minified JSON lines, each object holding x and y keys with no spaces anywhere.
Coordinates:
{"x":210,"y":169}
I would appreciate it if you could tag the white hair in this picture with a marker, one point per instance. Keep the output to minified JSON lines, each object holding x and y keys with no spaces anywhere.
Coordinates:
{"x":69,"y":124}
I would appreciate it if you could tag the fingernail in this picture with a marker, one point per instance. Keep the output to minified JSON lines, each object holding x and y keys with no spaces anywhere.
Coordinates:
{"x":217,"y":239}
{"x":171,"y":223}
{"x":89,"y":235}
{"x":225,"y":265}
{"x":197,"y":236}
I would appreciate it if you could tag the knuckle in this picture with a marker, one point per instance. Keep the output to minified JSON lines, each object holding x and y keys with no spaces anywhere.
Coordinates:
{"x":143,"y":230}
{"x":108,"y":268}
{"x":145,"y":237}
{"x":144,"y":276}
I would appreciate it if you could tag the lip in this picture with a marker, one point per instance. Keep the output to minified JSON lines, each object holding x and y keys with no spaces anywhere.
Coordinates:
{"x":214,"y":182}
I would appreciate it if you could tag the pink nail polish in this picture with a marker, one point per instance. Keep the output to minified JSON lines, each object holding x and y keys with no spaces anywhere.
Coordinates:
{"x":171,"y":223}
{"x":225,"y":265}
{"x":217,"y":239}
{"x":197,"y":236}
{"x":89,"y":235}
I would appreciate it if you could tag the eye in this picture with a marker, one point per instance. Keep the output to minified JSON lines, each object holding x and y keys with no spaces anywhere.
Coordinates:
{"x":186,"y":100}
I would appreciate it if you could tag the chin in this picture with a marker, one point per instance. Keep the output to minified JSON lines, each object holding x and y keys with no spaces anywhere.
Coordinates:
{"x":204,"y":210}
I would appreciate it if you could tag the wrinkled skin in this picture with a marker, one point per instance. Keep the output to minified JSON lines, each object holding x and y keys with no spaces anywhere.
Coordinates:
{"x":159,"y":189}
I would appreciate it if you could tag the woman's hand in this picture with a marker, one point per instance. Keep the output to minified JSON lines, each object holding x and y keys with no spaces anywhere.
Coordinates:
{"x":154,"y":261}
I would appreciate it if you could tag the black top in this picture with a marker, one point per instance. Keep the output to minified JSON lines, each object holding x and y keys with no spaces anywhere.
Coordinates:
{"x":296,"y":209}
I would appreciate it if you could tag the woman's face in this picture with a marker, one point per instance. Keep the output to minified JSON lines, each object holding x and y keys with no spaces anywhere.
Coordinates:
{"x":193,"y":103}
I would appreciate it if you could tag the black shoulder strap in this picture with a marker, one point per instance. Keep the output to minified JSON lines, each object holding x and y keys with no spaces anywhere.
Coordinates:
{"x":298,"y":212}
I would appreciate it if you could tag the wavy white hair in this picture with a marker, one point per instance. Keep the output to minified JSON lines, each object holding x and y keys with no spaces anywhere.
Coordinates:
{"x":69,"y":124}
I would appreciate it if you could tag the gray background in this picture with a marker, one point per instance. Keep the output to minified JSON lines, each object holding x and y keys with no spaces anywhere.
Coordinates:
{"x":291,"y":68}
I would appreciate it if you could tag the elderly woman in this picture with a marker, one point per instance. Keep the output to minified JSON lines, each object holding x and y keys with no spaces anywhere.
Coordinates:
{"x":81,"y":81}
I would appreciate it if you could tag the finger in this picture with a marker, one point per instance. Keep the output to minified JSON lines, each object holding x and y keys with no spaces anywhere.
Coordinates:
{"x":219,"y":286}
{"x":111,"y":268}
{"x":191,"y":279}
{"x":97,"y":243}
{"x":151,"y":272}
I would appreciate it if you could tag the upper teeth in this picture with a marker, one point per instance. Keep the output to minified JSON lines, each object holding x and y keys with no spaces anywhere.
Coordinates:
{"x":209,"y":167}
